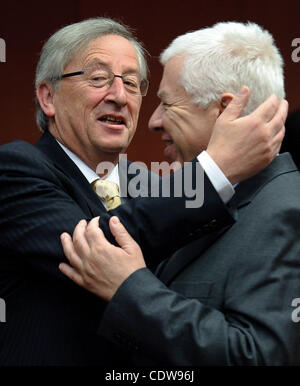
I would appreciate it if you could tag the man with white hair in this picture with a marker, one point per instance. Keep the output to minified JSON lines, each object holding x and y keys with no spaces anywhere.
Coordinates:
{"x":225,"y":299}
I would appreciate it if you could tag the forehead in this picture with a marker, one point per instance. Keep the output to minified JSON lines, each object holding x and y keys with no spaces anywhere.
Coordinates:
{"x":169,"y":84}
{"x":113,"y":50}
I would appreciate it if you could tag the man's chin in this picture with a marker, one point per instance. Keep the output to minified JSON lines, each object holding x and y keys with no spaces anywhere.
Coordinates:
{"x":112,"y":144}
{"x":114,"y":149}
{"x":171,"y":153}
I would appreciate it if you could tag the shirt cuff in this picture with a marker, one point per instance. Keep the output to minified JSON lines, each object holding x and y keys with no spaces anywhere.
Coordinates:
{"x":216,"y":177}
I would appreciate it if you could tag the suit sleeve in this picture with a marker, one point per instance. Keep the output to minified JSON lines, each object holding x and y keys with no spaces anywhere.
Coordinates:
{"x":254,"y":325}
{"x":36,"y":207}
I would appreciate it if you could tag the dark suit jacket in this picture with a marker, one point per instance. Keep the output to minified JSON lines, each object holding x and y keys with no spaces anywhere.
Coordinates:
{"x":49,"y":319}
{"x":229,"y":296}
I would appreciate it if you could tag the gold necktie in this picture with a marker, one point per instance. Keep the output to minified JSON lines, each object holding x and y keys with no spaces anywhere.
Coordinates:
{"x":107,"y":191}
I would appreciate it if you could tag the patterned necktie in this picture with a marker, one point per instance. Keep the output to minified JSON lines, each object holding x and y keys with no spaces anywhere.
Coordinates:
{"x":107,"y":191}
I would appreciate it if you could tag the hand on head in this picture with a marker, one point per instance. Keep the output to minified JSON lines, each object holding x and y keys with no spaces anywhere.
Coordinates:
{"x":244,"y":146}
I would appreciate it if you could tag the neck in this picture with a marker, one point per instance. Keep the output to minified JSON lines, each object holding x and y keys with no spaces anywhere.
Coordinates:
{"x":101,"y":162}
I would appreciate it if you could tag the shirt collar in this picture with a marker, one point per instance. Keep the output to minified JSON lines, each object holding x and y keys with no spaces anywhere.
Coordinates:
{"x":89,"y":173}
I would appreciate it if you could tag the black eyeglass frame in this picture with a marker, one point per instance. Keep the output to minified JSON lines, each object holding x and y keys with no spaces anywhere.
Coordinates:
{"x":82,"y":72}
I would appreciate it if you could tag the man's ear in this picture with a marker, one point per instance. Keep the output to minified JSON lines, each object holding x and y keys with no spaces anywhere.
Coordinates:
{"x":225,"y":99}
{"x":44,"y":94}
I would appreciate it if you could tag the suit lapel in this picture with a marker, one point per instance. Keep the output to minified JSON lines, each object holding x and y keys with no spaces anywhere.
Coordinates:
{"x":245,"y":192}
{"x":187,"y":254}
{"x":81,"y":189}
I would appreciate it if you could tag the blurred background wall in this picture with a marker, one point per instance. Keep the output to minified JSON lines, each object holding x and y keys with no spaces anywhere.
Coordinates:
{"x":24,"y":26}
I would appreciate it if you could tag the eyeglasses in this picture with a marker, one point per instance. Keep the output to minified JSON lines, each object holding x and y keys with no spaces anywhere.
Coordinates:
{"x":101,"y":77}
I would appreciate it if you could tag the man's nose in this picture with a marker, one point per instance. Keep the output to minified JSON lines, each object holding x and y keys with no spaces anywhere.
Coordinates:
{"x":155,"y":121}
{"x":116,"y":93}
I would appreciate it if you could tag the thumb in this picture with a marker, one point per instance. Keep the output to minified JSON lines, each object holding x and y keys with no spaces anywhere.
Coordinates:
{"x":237,"y":105}
{"x":120,"y":233}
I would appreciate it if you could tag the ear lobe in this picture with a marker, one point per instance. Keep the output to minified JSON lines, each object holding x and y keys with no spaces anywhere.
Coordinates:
{"x":44,"y":94}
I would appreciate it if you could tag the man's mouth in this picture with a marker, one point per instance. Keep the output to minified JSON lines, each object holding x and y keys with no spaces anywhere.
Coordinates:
{"x":167,"y":139}
{"x":170,"y":151}
{"x":112,"y":120}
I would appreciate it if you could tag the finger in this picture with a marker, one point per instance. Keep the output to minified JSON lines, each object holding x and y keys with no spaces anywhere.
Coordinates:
{"x":69,"y":251}
{"x":238,"y":103}
{"x":284,"y":109}
{"x":281,"y":114}
{"x":278,"y":141}
{"x":79,"y":239}
{"x":268,"y":108}
{"x":71,"y":273}
{"x":94,"y":234}
{"x":120,"y":233}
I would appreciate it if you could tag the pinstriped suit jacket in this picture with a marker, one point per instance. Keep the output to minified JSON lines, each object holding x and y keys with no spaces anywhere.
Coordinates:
{"x":49,"y":320}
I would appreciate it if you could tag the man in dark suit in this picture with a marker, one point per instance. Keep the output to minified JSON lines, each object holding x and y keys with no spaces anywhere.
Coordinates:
{"x":227,"y":298}
{"x":90,"y":80}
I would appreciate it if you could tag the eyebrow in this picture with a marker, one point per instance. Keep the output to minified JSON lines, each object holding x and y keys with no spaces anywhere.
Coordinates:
{"x":129,"y":70}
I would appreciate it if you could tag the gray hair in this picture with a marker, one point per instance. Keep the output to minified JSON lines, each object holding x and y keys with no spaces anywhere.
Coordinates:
{"x":61,"y":47}
{"x":225,"y":57}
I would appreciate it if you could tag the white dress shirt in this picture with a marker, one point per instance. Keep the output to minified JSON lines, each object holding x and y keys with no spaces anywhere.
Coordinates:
{"x":216,"y":177}
{"x":89,"y":173}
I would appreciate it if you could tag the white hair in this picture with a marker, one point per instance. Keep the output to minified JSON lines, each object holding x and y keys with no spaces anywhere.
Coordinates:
{"x":62,"y":46}
{"x":225,"y":57}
